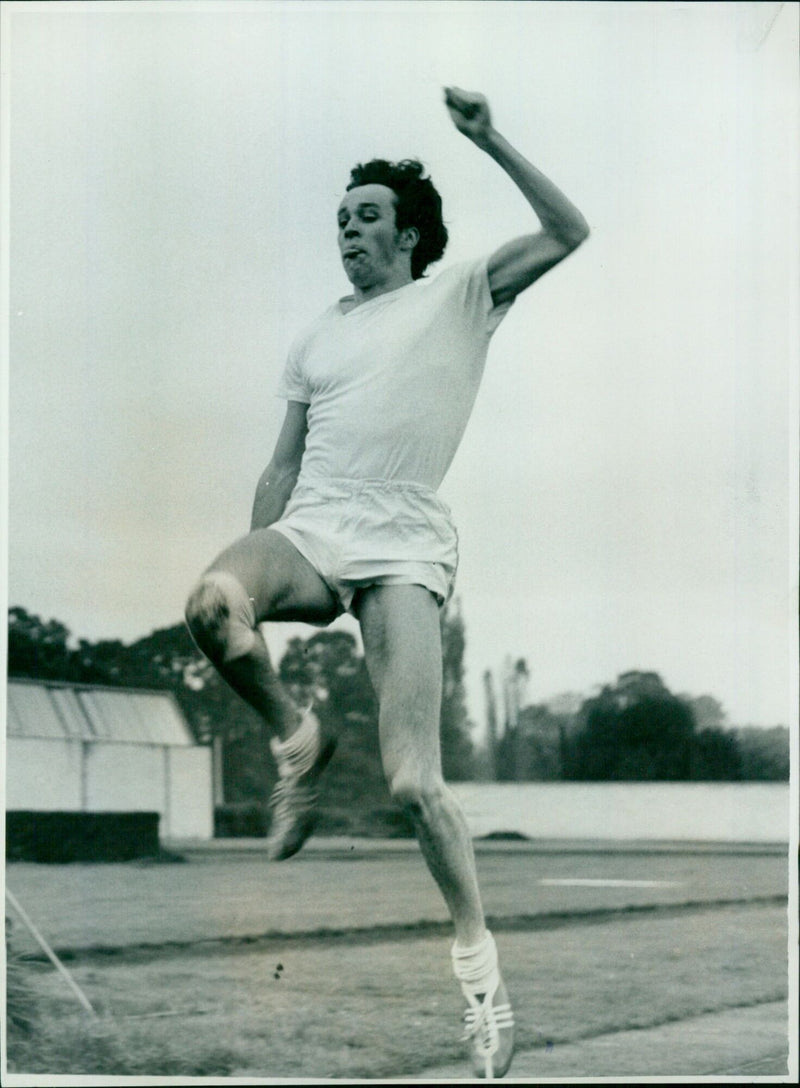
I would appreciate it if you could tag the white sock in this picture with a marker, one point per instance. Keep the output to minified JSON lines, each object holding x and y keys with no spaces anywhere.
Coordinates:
{"x":475,"y":967}
{"x":295,"y":755}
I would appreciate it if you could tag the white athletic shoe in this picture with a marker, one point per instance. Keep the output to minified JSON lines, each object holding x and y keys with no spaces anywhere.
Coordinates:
{"x":294,"y":798}
{"x":489,"y":1027}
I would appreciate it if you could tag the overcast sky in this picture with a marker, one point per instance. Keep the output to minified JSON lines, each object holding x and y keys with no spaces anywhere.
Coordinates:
{"x":625,"y":490}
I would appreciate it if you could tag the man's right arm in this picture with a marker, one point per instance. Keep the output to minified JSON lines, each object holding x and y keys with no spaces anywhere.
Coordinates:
{"x":277,"y":481}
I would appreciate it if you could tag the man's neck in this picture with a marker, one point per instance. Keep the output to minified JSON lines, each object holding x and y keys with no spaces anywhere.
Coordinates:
{"x":398,"y":279}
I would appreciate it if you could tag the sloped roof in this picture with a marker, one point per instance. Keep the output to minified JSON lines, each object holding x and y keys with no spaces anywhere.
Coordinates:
{"x":80,"y":712}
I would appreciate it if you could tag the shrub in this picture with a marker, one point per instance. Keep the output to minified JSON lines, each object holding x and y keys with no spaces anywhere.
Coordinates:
{"x":240,"y":819}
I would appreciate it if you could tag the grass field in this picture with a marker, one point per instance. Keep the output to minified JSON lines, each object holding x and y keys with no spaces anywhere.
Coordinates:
{"x":229,"y":896}
{"x":362,"y":1005}
{"x":388,"y":1008}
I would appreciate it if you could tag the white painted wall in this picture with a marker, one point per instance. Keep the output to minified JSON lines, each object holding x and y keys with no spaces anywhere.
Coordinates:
{"x":125,"y":778}
{"x":191,"y":811}
{"x":73,"y":776}
{"x":43,"y":775}
{"x":650,"y":811}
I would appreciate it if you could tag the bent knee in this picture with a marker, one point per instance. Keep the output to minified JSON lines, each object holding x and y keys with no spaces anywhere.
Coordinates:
{"x":418,"y":794}
{"x":221,"y":616}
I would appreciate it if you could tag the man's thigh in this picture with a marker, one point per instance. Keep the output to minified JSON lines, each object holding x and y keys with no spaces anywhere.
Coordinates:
{"x":281,"y":583}
{"x":403,"y":650}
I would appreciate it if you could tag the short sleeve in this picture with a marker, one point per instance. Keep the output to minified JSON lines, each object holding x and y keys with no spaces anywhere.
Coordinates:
{"x":293,"y":384}
{"x":478,"y":297}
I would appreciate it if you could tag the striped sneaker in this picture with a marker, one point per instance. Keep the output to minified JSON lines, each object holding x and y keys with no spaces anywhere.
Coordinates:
{"x":294,"y":798}
{"x":488,"y":1021}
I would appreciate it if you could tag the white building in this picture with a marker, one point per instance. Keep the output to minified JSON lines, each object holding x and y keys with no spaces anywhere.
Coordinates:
{"x":80,"y":748}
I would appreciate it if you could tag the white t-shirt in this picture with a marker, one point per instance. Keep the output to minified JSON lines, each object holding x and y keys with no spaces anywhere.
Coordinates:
{"x":390,"y":384}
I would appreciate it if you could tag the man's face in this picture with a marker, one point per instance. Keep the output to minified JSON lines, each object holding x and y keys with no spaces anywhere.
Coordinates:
{"x":369,"y":242}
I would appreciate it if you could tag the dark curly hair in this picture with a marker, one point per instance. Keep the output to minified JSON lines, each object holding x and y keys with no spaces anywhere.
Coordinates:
{"x":418,"y":205}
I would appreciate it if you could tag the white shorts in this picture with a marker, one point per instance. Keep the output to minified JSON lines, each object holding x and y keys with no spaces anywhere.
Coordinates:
{"x":358,"y":533}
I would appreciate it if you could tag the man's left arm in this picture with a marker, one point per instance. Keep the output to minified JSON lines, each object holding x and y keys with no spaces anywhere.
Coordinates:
{"x":521,"y":262}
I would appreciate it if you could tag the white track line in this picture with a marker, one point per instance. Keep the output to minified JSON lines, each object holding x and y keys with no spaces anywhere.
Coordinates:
{"x":48,"y":951}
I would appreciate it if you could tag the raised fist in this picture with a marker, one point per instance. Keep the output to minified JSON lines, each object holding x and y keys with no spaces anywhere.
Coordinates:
{"x":469,"y":111}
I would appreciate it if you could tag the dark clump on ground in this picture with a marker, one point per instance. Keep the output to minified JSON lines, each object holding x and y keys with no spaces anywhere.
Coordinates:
{"x":509,"y":836}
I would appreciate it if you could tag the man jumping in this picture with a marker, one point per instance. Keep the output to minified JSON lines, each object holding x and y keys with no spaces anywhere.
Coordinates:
{"x":346,"y":515}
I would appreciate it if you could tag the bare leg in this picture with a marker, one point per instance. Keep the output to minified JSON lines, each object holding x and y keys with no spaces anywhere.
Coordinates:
{"x":260,"y":577}
{"x":402,"y":643}
{"x":263,"y":577}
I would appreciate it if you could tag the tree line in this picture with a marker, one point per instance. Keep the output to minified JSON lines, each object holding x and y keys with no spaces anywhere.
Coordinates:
{"x":634,"y":729}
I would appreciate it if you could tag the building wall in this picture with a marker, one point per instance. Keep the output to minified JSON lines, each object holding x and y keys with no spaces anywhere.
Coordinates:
{"x":124,"y":778}
{"x":73,"y":776}
{"x":191,"y":812}
{"x":44,"y":775}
